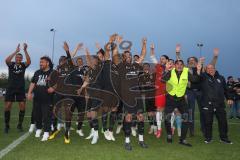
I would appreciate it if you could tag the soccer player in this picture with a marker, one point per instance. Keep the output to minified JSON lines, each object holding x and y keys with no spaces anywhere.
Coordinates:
{"x":160,"y":98}
{"x":64,"y":92}
{"x":77,"y":78}
{"x":110,"y":84}
{"x":43,"y":97}
{"x":16,"y":85}
{"x":93,"y":82}
{"x":131,"y":96}
{"x":147,"y":85}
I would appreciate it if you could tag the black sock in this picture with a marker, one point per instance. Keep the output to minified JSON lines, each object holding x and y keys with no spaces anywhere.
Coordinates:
{"x":141,"y":128}
{"x":104,"y":120}
{"x":55,"y":123}
{"x":134,"y":122}
{"x":32,"y":118}
{"x":95,"y":124}
{"x":21,"y":117}
{"x":154,"y":121}
{"x":168,"y":127}
{"x":119,"y":118}
{"x":7,"y":118}
{"x":68,"y":125}
{"x":127,"y":128}
{"x":150,"y":119}
{"x":90,"y":122}
{"x":79,"y":127}
{"x":67,"y":133}
{"x":112,"y":120}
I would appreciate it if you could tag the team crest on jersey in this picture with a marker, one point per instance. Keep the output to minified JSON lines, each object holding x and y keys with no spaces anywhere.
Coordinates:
{"x":219,"y":81}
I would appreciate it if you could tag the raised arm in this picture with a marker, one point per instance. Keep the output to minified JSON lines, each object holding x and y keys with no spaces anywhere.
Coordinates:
{"x":215,"y":56}
{"x":144,"y":50}
{"x":115,"y":54}
{"x":10,"y":57}
{"x":152,"y":54}
{"x":88,"y":58}
{"x":167,"y":73}
{"x":195,"y":76}
{"x":109,"y":46}
{"x":28,"y":59}
{"x":78,"y":47}
{"x":178,"y":49}
{"x":66,"y":48}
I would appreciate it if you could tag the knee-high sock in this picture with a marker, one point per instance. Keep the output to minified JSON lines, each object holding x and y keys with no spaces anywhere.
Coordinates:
{"x":119,"y":118}
{"x":7,"y":117}
{"x":90,"y":122}
{"x":95,"y":124}
{"x":80,"y":120}
{"x":159,"y":116}
{"x":150,"y":119}
{"x":140,"y":127}
{"x":168,"y":126}
{"x":104,"y":120}
{"x":21,"y":116}
{"x":172,"y":119}
{"x":140,"y":130}
{"x":134,"y":122}
{"x":127,"y":128}
{"x":112,"y":120}
{"x":32,"y":118}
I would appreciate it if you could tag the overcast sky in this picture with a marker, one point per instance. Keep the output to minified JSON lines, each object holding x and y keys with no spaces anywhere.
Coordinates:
{"x":215,"y":23}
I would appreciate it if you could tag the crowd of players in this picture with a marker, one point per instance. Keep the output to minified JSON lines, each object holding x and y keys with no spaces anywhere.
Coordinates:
{"x":118,"y":88}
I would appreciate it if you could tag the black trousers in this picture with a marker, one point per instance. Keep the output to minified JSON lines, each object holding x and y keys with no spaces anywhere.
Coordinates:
{"x":181,"y":105}
{"x":42,"y":115}
{"x":193,"y":97}
{"x":219,"y":111}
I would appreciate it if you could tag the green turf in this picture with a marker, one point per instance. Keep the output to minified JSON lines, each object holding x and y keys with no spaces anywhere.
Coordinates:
{"x":80,"y":148}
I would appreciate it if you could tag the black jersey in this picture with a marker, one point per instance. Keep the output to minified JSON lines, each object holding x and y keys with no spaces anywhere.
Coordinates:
{"x":60,"y":76}
{"x":129,"y":73}
{"x":16,"y":74}
{"x":40,"y":79}
{"x":76,"y":77}
{"x":95,"y":74}
{"x":110,"y":76}
{"x":146,"y":84}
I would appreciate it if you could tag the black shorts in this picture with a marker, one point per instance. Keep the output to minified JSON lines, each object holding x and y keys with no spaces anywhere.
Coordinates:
{"x":95,"y":99}
{"x":79,"y":103}
{"x":138,"y":108}
{"x":173,"y":103}
{"x":93,"y":104}
{"x":15,"y":95}
{"x":110,"y":98}
{"x":150,"y":105}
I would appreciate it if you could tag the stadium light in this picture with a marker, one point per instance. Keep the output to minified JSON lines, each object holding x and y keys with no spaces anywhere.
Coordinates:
{"x":53,"y":31}
{"x":200,"y":45}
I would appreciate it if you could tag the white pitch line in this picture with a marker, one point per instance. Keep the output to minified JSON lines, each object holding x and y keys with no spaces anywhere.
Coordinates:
{"x":14,"y":144}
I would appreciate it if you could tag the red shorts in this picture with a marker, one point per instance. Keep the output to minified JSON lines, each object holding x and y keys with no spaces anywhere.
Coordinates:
{"x":160,"y":101}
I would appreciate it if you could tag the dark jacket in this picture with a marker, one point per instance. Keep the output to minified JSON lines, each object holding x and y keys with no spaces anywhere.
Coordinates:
{"x":214,"y":90}
{"x":232,"y":86}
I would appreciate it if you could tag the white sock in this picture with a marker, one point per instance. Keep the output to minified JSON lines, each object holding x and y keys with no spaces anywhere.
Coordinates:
{"x":127,"y":140}
{"x":159,"y":119}
{"x":172,"y":119}
{"x":140,"y":138}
